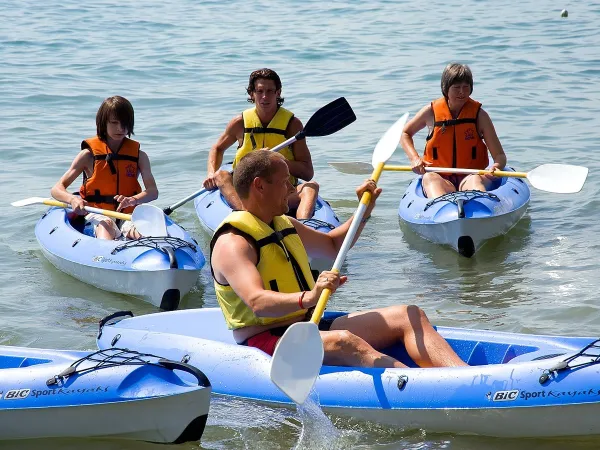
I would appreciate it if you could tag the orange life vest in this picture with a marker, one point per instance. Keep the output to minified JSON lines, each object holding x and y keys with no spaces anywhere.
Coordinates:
{"x":113,"y":173}
{"x":456,"y":142}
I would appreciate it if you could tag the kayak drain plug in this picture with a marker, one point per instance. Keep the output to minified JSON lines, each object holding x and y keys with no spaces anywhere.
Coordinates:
{"x":402,"y":380}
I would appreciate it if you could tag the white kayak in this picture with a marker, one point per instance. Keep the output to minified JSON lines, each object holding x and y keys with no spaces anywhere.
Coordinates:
{"x":516,"y":385}
{"x":159,"y":270}
{"x":110,"y":394}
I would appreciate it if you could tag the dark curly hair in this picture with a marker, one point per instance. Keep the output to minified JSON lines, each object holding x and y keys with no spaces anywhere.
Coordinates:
{"x":266,"y":74}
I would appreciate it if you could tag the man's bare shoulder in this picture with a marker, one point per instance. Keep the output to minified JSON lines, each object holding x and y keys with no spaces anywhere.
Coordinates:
{"x":294,"y":126}
{"x":231,"y":244}
{"x":236,"y":124}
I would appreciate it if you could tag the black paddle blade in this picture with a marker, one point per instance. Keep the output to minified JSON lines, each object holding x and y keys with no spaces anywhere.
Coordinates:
{"x":330,"y":118}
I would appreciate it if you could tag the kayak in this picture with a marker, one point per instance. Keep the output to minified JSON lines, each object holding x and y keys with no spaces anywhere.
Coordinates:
{"x":110,"y":394}
{"x":464,"y":220}
{"x":517,"y":385}
{"x":159,"y":270}
{"x":212,"y":208}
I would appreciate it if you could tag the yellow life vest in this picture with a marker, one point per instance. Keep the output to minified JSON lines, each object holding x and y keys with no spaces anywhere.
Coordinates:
{"x":282,"y":263}
{"x":257,"y":136}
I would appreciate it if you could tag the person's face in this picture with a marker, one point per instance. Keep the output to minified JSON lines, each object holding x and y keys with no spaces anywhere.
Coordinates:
{"x":459,"y":93}
{"x":115,"y":130}
{"x":280,"y":189}
{"x":265,"y":94}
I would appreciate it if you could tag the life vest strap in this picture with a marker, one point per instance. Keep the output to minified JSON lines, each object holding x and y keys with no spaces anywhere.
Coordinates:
{"x":110,"y":157}
{"x":452,"y":122}
{"x":262,"y":130}
{"x":275,"y":238}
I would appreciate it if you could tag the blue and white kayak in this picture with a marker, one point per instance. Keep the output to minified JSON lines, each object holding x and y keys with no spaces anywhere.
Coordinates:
{"x":212,"y":208}
{"x":108,"y":394}
{"x":160,"y":270}
{"x":517,"y":385}
{"x":465,"y":220}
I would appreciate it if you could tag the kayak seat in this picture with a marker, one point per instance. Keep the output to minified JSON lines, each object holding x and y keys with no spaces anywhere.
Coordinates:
{"x":537,"y":355}
{"x":76,"y":221}
{"x":480,"y":353}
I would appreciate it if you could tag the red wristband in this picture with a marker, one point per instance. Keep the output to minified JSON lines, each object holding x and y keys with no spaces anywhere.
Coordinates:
{"x":300,"y":300}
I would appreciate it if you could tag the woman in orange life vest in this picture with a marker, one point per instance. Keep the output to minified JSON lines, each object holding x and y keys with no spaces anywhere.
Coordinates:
{"x":110,"y":163}
{"x":460,"y":135}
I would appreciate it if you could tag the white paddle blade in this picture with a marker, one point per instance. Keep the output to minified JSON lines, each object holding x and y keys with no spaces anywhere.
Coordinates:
{"x":386,"y":146}
{"x":558,"y":178}
{"x":353,"y":168}
{"x":297,"y":360}
{"x":149,"y":220}
{"x":30,"y":201}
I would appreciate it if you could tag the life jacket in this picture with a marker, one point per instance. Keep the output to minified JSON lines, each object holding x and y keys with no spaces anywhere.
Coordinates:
{"x":282,"y":263}
{"x":456,"y":142}
{"x":113,"y":173}
{"x":257,"y":136}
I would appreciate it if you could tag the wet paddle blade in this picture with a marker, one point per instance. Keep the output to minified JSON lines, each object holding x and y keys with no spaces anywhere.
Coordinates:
{"x":352,"y":168}
{"x":558,"y":178}
{"x":388,"y":143}
{"x":149,"y":220}
{"x":297,"y":360}
{"x":29,"y":201}
{"x":330,"y":118}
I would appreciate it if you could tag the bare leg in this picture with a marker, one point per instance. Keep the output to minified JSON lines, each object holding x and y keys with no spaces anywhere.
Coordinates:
{"x":476,"y":183}
{"x":435,"y":186}
{"x":106,"y":229}
{"x":308,"y":198}
{"x":224,"y":181}
{"x":343,"y":348}
{"x":383,"y":327}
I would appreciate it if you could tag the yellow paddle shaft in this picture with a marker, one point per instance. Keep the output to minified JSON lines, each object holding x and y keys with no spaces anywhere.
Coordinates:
{"x":105,"y":212}
{"x":326,"y":293}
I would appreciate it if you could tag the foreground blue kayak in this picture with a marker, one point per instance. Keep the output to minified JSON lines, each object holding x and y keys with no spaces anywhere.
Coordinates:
{"x":517,"y":385}
{"x":160,"y":270}
{"x":111,"y":394}
{"x":465,"y":220}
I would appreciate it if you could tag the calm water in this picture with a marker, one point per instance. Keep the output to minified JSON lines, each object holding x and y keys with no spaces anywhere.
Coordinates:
{"x":184,"y":65}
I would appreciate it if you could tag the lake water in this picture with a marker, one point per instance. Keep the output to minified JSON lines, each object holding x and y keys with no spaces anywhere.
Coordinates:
{"x":184,"y":65}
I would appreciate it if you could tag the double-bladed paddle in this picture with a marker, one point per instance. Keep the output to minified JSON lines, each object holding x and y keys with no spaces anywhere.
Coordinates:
{"x":329,"y":119}
{"x":557,"y":178}
{"x":298,"y":357}
{"x":149,"y":220}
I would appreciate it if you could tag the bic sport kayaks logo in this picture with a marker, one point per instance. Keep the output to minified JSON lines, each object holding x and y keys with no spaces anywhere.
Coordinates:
{"x":505,"y":396}
{"x":15,"y":394}
{"x":105,"y":260}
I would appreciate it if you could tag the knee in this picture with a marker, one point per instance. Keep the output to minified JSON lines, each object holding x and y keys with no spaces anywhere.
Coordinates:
{"x":431,"y":178}
{"x":310,"y":187}
{"x":342,"y":342}
{"x":223,"y":178}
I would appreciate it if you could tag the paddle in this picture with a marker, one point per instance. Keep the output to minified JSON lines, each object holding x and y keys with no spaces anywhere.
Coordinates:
{"x":329,"y":119}
{"x":557,"y":178}
{"x":298,"y":357}
{"x":149,"y":220}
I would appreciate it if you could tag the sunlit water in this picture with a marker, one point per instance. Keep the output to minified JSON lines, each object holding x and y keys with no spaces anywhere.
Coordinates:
{"x":184,"y":65}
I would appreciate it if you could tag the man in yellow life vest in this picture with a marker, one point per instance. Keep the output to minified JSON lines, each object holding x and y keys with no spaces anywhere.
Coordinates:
{"x":460,"y":135}
{"x":263,"y":281}
{"x":265,"y":125}
{"x":111,"y":163}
